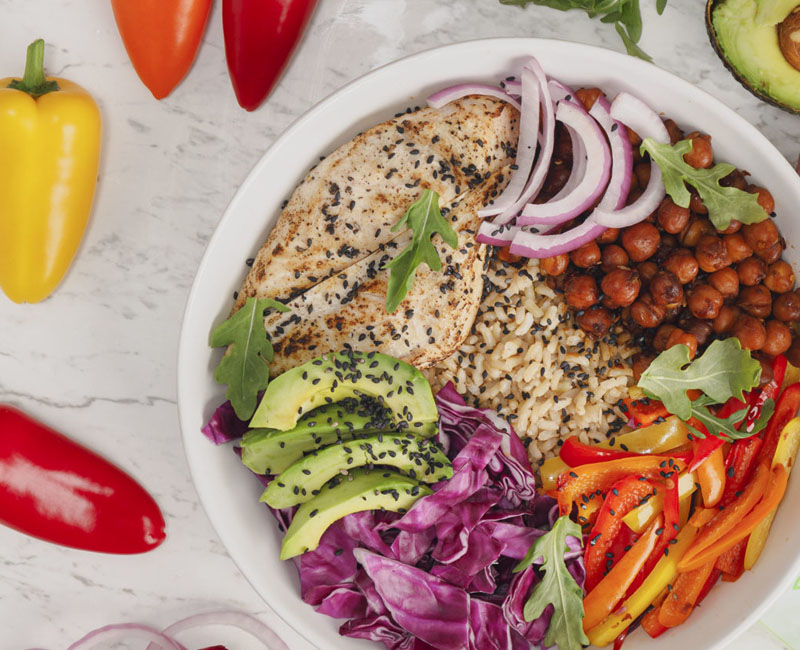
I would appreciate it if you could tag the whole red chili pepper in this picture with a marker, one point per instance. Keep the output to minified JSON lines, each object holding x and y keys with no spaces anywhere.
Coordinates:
{"x":260,"y":36}
{"x":55,"y":489}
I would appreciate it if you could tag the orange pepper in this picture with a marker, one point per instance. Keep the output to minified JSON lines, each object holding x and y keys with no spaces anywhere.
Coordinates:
{"x":702,"y":516}
{"x":711,"y":477}
{"x":652,"y":625}
{"x":681,"y":600}
{"x":645,"y":411}
{"x":731,"y":562}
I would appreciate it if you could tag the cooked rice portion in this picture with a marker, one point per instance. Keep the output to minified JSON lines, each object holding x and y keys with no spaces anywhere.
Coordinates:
{"x":526,"y":358}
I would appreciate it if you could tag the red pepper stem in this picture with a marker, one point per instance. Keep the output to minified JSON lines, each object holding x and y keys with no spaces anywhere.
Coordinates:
{"x":33,"y":81}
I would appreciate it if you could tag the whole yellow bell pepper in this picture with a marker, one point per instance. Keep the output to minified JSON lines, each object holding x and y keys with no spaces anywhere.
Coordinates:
{"x":49,"y":154}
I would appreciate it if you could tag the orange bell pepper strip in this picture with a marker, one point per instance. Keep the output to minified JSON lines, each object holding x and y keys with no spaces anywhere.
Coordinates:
{"x":731,"y":562}
{"x":162,"y":38}
{"x":602,"y":600}
{"x":652,"y":625}
{"x":741,"y":528}
{"x":645,"y":411}
{"x":711,"y":477}
{"x":588,"y":479}
{"x":680,"y":602}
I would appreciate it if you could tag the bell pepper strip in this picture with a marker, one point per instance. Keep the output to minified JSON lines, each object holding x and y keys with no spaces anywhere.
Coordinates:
{"x":684,"y":506}
{"x":651,"y":624}
{"x":623,"y":496}
{"x":620,"y":640}
{"x":731,"y":562}
{"x":740,"y":463}
{"x":588,"y":479}
{"x":644,"y":411}
{"x":701,"y":516}
{"x":632,"y":607}
{"x":768,"y":391}
{"x":602,"y":600}
{"x":550,"y":470}
{"x":575,"y":453}
{"x":50,"y":144}
{"x":260,"y":36}
{"x":710,"y":584}
{"x":785,"y":454}
{"x":711,"y":477}
{"x":162,"y":38}
{"x":792,"y":376}
{"x":55,"y":489}
{"x":702,"y":447}
{"x":680,"y":602}
{"x":588,"y":507}
{"x":655,"y":439}
{"x":785,"y":410}
{"x":708,"y":550}
{"x":639,"y":518}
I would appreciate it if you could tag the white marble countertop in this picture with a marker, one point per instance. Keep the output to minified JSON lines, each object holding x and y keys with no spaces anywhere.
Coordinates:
{"x":97,"y":360}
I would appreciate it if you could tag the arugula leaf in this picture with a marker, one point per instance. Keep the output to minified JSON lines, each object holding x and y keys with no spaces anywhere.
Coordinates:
{"x":723,"y":203}
{"x":557,"y":587}
{"x":727,"y":427}
{"x":723,"y":371}
{"x":425,"y":219}
{"x":245,"y":366}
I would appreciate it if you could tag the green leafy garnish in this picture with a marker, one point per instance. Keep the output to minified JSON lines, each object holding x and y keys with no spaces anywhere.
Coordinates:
{"x":245,"y":366}
{"x":727,"y":427}
{"x":724,"y":203}
{"x":557,"y":587}
{"x":425,"y":219}
{"x":625,"y":15}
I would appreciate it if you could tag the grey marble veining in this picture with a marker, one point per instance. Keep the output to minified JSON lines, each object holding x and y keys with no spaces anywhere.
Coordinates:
{"x":97,"y":359}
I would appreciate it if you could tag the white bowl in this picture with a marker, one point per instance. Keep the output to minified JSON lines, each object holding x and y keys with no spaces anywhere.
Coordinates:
{"x":227,"y":490}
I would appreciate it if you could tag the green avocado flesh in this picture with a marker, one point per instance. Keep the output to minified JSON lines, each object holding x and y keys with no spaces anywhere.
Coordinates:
{"x":420,"y":458}
{"x":363,"y":489}
{"x":336,"y":376}
{"x":268,"y":451}
{"x":747,"y":37}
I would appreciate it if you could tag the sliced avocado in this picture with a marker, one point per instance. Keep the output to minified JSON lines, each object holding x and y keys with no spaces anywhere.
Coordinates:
{"x":751,"y":38}
{"x":363,"y":489}
{"x":268,"y":451}
{"x":338,"y":375}
{"x":420,"y":458}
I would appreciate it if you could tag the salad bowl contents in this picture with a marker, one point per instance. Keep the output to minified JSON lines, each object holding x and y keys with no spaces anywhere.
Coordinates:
{"x":517,"y":368}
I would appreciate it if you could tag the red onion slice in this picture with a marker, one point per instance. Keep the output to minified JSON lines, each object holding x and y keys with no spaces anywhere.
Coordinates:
{"x":578,"y":165}
{"x":496,"y":234}
{"x":447,"y":95}
{"x":594,"y":181}
{"x":239,"y":620}
{"x":528,"y":244}
{"x":637,"y":115}
{"x":526,"y":145}
{"x":107,"y":635}
{"x":621,"y":156}
{"x":513,"y":87}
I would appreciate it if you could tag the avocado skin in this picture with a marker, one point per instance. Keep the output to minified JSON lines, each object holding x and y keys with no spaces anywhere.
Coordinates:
{"x":363,"y":489}
{"x":420,"y":458}
{"x":711,"y":5}
{"x":337,"y":375}
{"x":269,"y":451}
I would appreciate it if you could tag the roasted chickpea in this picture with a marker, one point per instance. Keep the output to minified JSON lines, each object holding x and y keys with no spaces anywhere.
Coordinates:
{"x":586,"y":256}
{"x":672,"y":217}
{"x":642,"y":173}
{"x":750,"y":332}
{"x":621,"y":286}
{"x":562,"y":146}
{"x":773,"y":253}
{"x":641,"y":241}
{"x":675,"y":134}
{"x":765,"y":199}
{"x":787,"y":307}
{"x":679,"y":337}
{"x":779,"y":338}
{"x":647,"y":271}
{"x":756,"y":301}
{"x":734,"y":226}
{"x":696,"y":204}
{"x":588,"y":96}
{"x":683,"y":264}
{"x":595,"y":321}
{"x":700,"y":329}
{"x":726,"y":281}
{"x":695,"y":229}
{"x":646,"y":312}
{"x":666,"y":289}
{"x":738,"y":249}
{"x":704,"y":301}
{"x":780,"y":277}
{"x":506,"y":256}
{"x":711,"y":254}
{"x":613,"y":256}
{"x":793,"y":353}
{"x":555,"y":180}
{"x":728,"y":314}
{"x":701,"y":156}
{"x":608,"y":236}
{"x":634,"y":139}
{"x":751,"y":271}
{"x":580,"y":291}
{"x":639,"y":363}
{"x":633,"y":195}
{"x":662,"y":336}
{"x":761,"y":236}
{"x":555,"y":265}
{"x":735,"y":179}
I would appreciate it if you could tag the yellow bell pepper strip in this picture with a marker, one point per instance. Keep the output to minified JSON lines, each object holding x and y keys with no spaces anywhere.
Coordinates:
{"x":632,"y":607}
{"x":50,"y":144}
{"x":711,"y":477}
{"x":680,"y":602}
{"x":785,"y":411}
{"x":602,"y":600}
{"x":639,"y":518}
{"x":785,"y":454}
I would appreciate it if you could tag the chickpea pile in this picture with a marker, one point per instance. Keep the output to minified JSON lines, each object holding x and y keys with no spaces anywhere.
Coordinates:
{"x":673,"y":278}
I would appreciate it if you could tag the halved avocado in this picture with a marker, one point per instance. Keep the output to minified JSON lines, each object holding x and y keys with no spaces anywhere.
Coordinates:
{"x":759,"y":42}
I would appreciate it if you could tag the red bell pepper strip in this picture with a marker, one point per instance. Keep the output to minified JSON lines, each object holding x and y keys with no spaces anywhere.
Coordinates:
{"x":740,"y":463}
{"x":731,"y":562}
{"x":260,"y":36}
{"x":652,"y":625}
{"x":710,"y":583}
{"x":575,"y":453}
{"x":644,"y":411}
{"x":621,"y":639}
{"x":785,"y":410}
{"x":162,"y":38}
{"x":55,"y":489}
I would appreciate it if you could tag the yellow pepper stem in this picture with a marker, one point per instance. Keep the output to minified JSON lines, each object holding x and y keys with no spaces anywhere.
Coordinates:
{"x":33,"y":81}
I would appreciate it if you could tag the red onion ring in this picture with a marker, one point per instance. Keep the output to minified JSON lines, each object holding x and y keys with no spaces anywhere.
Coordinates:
{"x":621,"y":156}
{"x":528,"y":244}
{"x":239,"y":620}
{"x":109,"y":634}
{"x":447,"y":95}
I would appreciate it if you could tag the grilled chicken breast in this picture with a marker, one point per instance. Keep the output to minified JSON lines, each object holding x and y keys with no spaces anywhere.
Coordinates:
{"x":348,"y":308}
{"x":344,"y":209}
